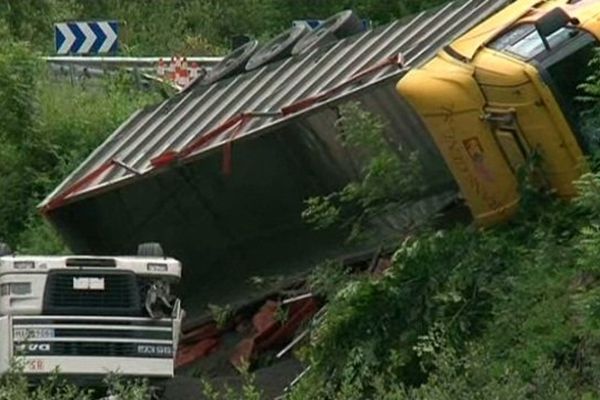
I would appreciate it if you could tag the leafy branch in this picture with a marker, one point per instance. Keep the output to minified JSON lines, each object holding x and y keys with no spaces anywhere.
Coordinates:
{"x":389,"y":178}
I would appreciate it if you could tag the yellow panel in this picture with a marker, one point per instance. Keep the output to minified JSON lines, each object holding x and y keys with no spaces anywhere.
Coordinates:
{"x":511,"y":149}
{"x":563,"y":160}
{"x":538,"y":114}
{"x":453,"y":97}
{"x":451,"y":105}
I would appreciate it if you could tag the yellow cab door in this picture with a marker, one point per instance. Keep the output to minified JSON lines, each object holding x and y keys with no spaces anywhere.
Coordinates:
{"x":536,"y":79}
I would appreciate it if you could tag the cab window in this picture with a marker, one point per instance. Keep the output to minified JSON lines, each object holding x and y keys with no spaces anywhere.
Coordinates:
{"x":525,"y":42}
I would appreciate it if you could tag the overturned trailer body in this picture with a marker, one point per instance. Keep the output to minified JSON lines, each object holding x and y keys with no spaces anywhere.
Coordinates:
{"x":219,"y":173}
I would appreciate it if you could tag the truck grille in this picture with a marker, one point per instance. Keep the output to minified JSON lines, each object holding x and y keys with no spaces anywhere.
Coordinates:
{"x":68,"y":336}
{"x":100,"y":349}
{"x":109,"y":293}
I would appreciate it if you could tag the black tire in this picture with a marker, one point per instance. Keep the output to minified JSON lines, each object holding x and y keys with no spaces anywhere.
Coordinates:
{"x":277,"y":48}
{"x":338,"y":26}
{"x":5,"y":249}
{"x":233,"y":63}
{"x":150,"y":249}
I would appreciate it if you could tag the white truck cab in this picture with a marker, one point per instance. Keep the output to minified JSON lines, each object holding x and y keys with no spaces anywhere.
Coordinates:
{"x":88,"y":316}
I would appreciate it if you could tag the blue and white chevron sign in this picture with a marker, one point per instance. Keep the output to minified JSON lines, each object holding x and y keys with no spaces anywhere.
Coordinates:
{"x":86,"y":37}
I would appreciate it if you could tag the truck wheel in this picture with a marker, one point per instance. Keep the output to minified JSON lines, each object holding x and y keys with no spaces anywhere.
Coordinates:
{"x":5,"y":249}
{"x":150,"y":249}
{"x":233,"y":63}
{"x":277,"y":48}
{"x":338,"y":26}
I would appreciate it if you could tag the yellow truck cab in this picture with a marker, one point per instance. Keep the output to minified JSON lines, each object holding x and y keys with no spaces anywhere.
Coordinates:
{"x":505,"y":90}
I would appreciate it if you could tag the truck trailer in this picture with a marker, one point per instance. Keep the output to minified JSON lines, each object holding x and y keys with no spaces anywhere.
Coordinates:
{"x":220,"y":172}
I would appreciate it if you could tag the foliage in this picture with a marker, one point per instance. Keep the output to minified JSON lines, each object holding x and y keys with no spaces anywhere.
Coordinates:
{"x":123,"y":389}
{"x":327,"y":278}
{"x":14,"y":386}
{"x":247,"y":391}
{"x":31,"y":21}
{"x":510,"y":312}
{"x":48,"y":127}
{"x":388,"y":180}
{"x":589,"y":104}
{"x":191,"y":27}
{"x":19,"y":114}
{"x":221,"y":314}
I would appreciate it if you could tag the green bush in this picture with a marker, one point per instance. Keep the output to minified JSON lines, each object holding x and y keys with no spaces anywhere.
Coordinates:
{"x":191,"y":27}
{"x":15,"y":386}
{"x":511,"y":312}
{"x":48,"y":128}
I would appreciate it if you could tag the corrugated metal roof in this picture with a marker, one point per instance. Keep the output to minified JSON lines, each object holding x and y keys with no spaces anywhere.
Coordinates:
{"x":173,"y":125}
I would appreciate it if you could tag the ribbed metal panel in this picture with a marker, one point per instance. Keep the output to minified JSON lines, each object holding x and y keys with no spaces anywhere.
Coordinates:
{"x":93,"y":336}
{"x":178,"y":121}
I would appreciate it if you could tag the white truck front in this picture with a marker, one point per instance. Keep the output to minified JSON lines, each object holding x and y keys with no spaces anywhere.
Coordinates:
{"x":88,"y":316}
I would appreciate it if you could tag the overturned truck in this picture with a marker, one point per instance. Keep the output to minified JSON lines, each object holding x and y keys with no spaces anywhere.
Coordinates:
{"x":219,"y":172}
{"x":89,"y":316}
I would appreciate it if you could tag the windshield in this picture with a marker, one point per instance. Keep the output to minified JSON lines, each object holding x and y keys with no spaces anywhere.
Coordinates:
{"x":566,"y":69}
{"x":563,"y":67}
{"x":525,"y":42}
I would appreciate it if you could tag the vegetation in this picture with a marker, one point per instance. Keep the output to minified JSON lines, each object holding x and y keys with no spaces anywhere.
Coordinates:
{"x":14,"y":386}
{"x":222,"y":315}
{"x":47,"y":128}
{"x":390,"y":178}
{"x":190,"y":27}
{"x":248,"y":390}
{"x":504,"y":313}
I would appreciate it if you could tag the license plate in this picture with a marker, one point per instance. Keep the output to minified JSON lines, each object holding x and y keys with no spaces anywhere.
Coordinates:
{"x":88,"y":283}
{"x":23,"y":334}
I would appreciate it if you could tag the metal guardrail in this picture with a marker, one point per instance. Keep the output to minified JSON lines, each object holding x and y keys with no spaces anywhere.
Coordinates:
{"x":80,"y":69}
{"x":101,"y":62}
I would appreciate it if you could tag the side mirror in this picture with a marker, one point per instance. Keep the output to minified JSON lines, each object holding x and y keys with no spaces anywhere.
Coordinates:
{"x":552,"y":21}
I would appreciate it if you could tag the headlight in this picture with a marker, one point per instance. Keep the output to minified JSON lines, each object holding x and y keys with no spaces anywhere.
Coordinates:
{"x":20,"y":288}
{"x":22,"y":265}
{"x":157,"y":267}
{"x":16,"y":288}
